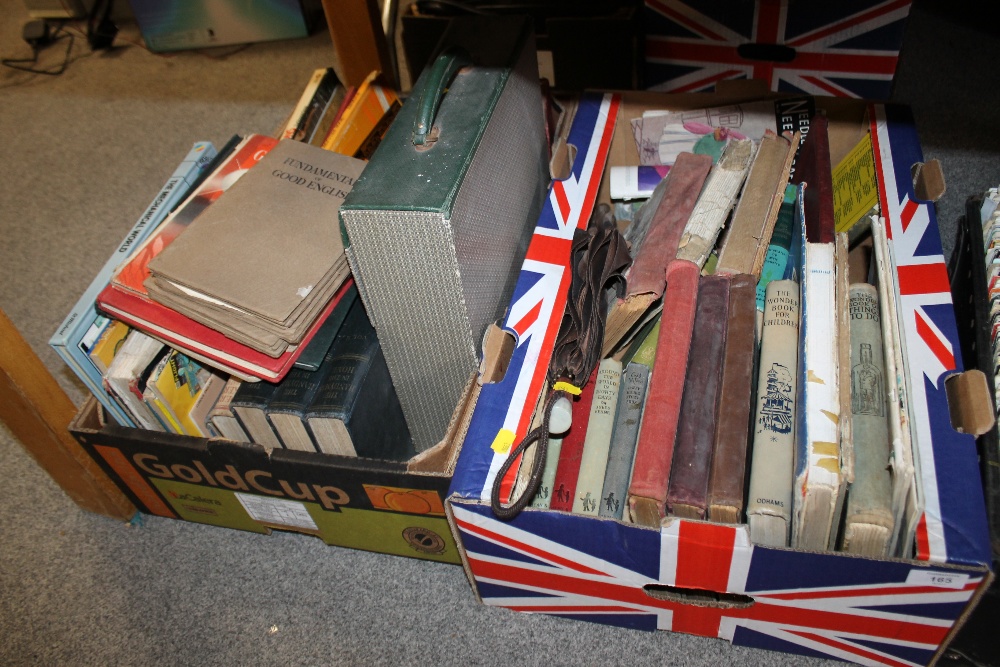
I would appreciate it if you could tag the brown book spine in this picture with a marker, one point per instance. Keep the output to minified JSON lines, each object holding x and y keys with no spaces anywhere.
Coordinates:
{"x":684,"y":182}
{"x":687,"y":492}
{"x":655,"y":448}
{"x":729,"y":462}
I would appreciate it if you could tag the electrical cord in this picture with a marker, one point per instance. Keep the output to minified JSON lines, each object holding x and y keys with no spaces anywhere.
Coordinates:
{"x":26,"y":64}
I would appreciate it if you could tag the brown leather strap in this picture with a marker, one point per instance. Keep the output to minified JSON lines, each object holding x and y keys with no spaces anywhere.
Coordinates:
{"x":598,"y":259}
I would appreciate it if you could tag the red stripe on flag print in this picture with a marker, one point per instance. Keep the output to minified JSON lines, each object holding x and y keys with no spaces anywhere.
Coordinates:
{"x":931,"y":339}
{"x":909,"y":210}
{"x":849,"y":22}
{"x":923,"y":539}
{"x":923,"y":279}
{"x":560,"y":192}
{"x":704,"y":555}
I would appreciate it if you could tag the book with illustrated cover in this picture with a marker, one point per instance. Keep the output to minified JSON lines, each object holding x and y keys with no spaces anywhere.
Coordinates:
{"x":84,"y":324}
{"x":369,"y":112}
{"x":178,"y":387}
{"x":127,"y":376}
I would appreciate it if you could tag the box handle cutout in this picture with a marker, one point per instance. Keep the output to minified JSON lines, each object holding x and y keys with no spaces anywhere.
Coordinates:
{"x":970,"y":406}
{"x":563,"y":157}
{"x":498,"y":348}
{"x":698,"y":597}
{"x":777,"y":53}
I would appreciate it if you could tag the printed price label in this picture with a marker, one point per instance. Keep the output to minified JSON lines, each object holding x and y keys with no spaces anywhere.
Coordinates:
{"x":503,"y":441}
{"x":277,"y":511}
{"x":939,"y":579}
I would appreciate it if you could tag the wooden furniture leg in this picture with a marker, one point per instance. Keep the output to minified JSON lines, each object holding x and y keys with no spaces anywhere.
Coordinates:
{"x":38,"y":413}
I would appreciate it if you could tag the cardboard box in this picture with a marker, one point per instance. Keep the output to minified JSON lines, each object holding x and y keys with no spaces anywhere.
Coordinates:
{"x":842,"y":49}
{"x":385,"y":506}
{"x":709,"y":579}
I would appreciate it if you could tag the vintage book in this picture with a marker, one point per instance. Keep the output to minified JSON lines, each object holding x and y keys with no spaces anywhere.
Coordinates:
{"x":571,"y":450}
{"x":371,"y":109}
{"x":906,"y":502}
{"x":817,"y":483}
{"x":208,"y":398}
{"x":813,"y":168}
{"x":287,"y":405}
{"x":317,"y":95}
{"x":844,"y":425}
{"x":440,"y":221}
{"x":127,"y":375}
{"x":177,"y":388}
{"x":597,"y":441}
{"x":228,"y":168}
{"x":337,"y":114}
{"x":355,"y":410}
{"x":624,"y":435}
{"x":249,"y":404}
{"x":654,"y":450}
{"x":84,"y":322}
{"x":104,"y":349}
{"x":716,"y":201}
{"x":753,"y":220}
{"x":776,"y":259}
{"x":314,"y":353}
{"x":727,"y":481}
{"x":543,"y":497}
{"x":645,"y":279}
{"x":687,"y":490}
{"x":769,"y":499}
{"x":868,"y":517}
{"x":642,"y":348}
{"x":293,"y":181}
{"x":223,"y":418}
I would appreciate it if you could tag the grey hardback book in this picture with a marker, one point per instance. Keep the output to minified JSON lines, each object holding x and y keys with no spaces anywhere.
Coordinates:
{"x":628,"y":417}
{"x":437,"y":226}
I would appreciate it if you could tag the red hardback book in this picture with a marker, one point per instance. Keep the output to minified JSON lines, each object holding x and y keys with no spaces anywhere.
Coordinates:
{"x":813,"y":168}
{"x":687,"y":491}
{"x":571,"y":453}
{"x":133,"y":272}
{"x":205,"y":344}
{"x":655,"y":448}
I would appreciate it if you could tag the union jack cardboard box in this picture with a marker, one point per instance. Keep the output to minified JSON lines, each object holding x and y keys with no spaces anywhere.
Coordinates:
{"x":844,"y":49}
{"x":865,"y":610}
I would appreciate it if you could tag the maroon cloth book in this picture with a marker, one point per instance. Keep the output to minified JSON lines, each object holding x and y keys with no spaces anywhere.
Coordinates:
{"x":732,"y":433}
{"x":687,"y":491}
{"x":812,"y":167}
{"x":654,"y":450}
{"x":684,"y":183}
{"x":571,"y":452}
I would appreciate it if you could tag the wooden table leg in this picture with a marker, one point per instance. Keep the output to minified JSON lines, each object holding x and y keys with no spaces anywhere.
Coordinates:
{"x":38,"y":413}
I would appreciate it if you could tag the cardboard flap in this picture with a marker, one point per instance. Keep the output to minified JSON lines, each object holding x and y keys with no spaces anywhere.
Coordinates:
{"x":928,"y":180}
{"x":969,"y":402}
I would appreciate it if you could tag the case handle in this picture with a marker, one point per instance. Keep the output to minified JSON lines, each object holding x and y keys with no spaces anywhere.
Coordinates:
{"x":438,"y":78}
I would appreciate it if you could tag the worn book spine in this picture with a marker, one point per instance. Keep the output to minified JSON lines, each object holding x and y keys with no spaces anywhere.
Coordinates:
{"x":355,"y":410}
{"x":813,"y":168}
{"x":817,"y":446}
{"x":543,"y":497}
{"x":868,"y":522}
{"x":597,"y":441}
{"x":776,"y":259}
{"x":769,"y":500}
{"x":287,"y":407}
{"x":726,"y":484}
{"x":250,"y":407}
{"x":646,"y":277}
{"x":628,"y":417}
{"x":716,"y":201}
{"x":687,"y":491}
{"x":753,"y":220}
{"x":222,"y":416}
{"x":844,"y":425}
{"x":571,"y":451}
{"x":654,"y":451}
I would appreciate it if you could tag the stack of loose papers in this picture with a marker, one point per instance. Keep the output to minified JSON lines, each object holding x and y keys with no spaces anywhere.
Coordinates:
{"x":263,"y":261}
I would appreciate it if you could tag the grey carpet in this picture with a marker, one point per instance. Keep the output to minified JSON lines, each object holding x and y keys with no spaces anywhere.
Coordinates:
{"x":81,"y":155}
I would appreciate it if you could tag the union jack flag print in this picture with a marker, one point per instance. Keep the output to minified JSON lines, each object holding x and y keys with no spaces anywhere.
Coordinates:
{"x":843,"y":49}
{"x":953,"y":525}
{"x":823,"y":605}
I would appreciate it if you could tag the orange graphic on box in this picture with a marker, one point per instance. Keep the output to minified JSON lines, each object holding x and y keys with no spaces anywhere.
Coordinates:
{"x":409,"y":501}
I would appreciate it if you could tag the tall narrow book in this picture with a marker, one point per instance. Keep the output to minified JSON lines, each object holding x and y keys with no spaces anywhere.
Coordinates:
{"x":769,"y":504}
{"x":355,"y":411}
{"x":127,"y":375}
{"x":687,"y":491}
{"x":571,"y":451}
{"x":753,"y":220}
{"x":645,"y":280}
{"x":249,"y":404}
{"x":868,"y":518}
{"x":647,"y":493}
{"x":319,"y":93}
{"x":726,"y":485}
{"x":597,"y":442}
{"x":223,"y":418}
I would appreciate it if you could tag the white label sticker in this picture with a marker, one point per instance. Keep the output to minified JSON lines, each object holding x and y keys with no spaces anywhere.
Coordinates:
{"x":937,"y":578}
{"x":277,"y":511}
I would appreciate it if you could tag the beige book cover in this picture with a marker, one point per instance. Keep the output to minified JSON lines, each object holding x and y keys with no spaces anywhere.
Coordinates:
{"x":753,"y":220}
{"x":597,"y":441}
{"x":269,"y":240}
